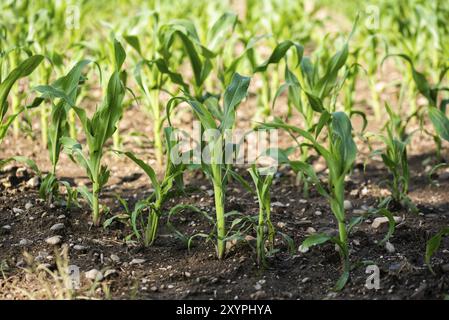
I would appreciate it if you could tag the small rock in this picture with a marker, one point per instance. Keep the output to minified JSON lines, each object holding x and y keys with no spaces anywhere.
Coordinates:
{"x":382,"y":220}
{"x":33,"y":182}
{"x":278,"y":204}
{"x":28,"y":206}
{"x":187,"y":274}
{"x":390,"y":248}
{"x":347,"y":205}
{"x":258,"y":295}
{"x":303,"y":249}
{"x":79,"y":247}
{"x":281,"y":224}
{"x":53,"y":240}
{"x":115,"y":258}
{"x":305,"y":280}
{"x":25,"y":242}
{"x":94,"y":275}
{"x":258,"y":286}
{"x":311,"y":230}
{"x":17,"y":210}
{"x":6,"y":227}
{"x":60,"y":217}
{"x":57,"y":226}
{"x":153,"y":288}
{"x":249,"y":238}
{"x":210,"y":193}
{"x":318,"y":213}
{"x":137,"y":261}
{"x":365,"y":191}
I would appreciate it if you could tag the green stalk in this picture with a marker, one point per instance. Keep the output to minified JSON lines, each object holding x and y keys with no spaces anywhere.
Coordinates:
{"x":157,"y":125}
{"x":95,"y":204}
{"x":219,"y":196}
{"x":152,"y":226}
{"x":72,"y":124}
{"x":375,"y":101}
{"x":44,"y":125}
{"x":220,"y":211}
{"x":15,"y":108}
{"x":260,"y":237}
{"x":116,"y":140}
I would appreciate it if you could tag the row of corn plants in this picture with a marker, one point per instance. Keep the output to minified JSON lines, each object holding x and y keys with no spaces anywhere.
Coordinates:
{"x":312,"y":84}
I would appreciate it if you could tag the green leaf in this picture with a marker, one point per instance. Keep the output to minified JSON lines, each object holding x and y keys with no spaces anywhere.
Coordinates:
{"x":344,"y":143}
{"x":24,"y":69}
{"x":119,"y":54}
{"x":440,"y":122}
{"x":27,"y":161}
{"x":315,"y":239}
{"x":234,"y":94}
{"x":279,"y":52}
{"x":147,"y":169}
{"x":133,"y":41}
{"x":218,"y":31}
{"x":433,"y":245}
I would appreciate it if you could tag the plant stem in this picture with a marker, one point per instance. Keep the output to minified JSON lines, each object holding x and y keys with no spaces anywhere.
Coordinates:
{"x":95,"y":204}
{"x":72,"y":124}
{"x":44,"y":126}
{"x":220,"y":212}
{"x":154,"y":96}
{"x":15,"y":108}
{"x":116,"y":139}
{"x":260,"y":237}
{"x":152,"y":226}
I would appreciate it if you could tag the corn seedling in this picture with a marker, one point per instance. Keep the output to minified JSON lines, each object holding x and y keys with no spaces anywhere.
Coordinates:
{"x":209,"y":114}
{"x":146,"y":228}
{"x":436,"y":108}
{"x":265,"y":230}
{"x":339,"y":156}
{"x":24,"y":69}
{"x":433,"y":245}
{"x":65,"y":91}
{"x":308,"y":92}
{"x":200,"y":55}
{"x":98,"y":130}
{"x":394,"y":157}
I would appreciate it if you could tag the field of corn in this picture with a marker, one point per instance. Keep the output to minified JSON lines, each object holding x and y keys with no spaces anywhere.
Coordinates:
{"x":95,"y":97}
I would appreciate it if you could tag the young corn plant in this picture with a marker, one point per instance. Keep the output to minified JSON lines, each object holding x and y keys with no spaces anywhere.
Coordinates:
{"x":394,"y":156}
{"x":145,"y":228}
{"x":153,"y":76}
{"x":201,"y":54}
{"x":436,"y":106}
{"x":265,"y":229}
{"x":309,"y":90}
{"x":270,"y":80}
{"x":339,"y":155}
{"x":23,"y":70}
{"x":433,"y":245}
{"x":218,"y":122}
{"x":98,"y":130}
{"x":63,"y":95}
